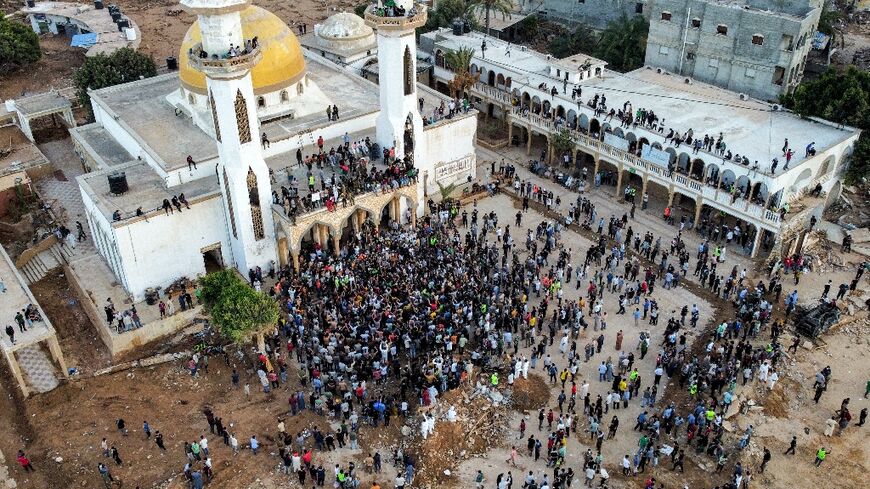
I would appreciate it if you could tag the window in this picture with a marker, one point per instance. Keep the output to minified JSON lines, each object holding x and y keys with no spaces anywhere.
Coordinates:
{"x":261,"y":102}
{"x":254,"y":199}
{"x":242,"y":123}
{"x":638,"y":8}
{"x":722,"y":30}
{"x":285,"y":97}
{"x":696,"y":23}
{"x":300,"y":89}
{"x":666,"y":16}
{"x":690,"y":55}
{"x":229,"y":197}
{"x":778,"y":75}
{"x":663,"y":50}
{"x":758,"y":39}
{"x":409,"y":72}
{"x":581,"y":1}
{"x":787,"y":43}
{"x":214,"y":117}
{"x":191,"y":98}
{"x":750,"y":73}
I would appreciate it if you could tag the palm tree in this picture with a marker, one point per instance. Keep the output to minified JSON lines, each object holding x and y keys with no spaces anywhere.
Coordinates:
{"x":460,"y":62}
{"x":623,"y":43}
{"x":503,"y":7}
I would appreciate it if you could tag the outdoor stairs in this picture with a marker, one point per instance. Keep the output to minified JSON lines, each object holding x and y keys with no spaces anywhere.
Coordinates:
{"x":39,"y":266}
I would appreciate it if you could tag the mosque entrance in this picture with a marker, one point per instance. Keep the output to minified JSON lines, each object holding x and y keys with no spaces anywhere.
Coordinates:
{"x":211,"y":256}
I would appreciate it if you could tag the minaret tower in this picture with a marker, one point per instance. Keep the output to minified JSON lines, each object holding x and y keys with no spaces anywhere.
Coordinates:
{"x":242,"y":172}
{"x":397,"y":73}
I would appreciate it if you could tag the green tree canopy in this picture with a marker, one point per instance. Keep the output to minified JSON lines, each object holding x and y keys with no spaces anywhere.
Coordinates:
{"x":444,"y":13}
{"x":623,"y":43}
{"x":563,"y":142}
{"x":19,"y":45}
{"x":100,"y":71}
{"x":490,"y":7}
{"x":580,"y":40}
{"x":843,"y":98}
{"x":460,"y":62}
{"x":239,"y":312}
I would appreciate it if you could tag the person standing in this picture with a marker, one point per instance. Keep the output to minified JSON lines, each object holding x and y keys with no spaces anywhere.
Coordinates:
{"x":764,"y":461}
{"x":792,"y":445}
{"x":147,"y":429}
{"x":25,"y":462}
{"x":158,"y":439}
{"x":820,"y":456}
{"x":10,"y":332}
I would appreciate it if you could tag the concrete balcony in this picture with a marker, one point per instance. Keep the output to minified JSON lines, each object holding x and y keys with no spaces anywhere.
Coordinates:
{"x":377,"y":19}
{"x":222,"y":67}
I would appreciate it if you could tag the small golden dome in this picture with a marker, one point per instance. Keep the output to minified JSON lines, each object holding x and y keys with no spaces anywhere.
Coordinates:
{"x":282,"y":63}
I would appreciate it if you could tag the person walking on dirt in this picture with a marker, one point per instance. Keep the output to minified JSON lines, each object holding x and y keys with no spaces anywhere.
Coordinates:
{"x":820,"y":456}
{"x":158,"y":439}
{"x":25,"y":462}
{"x":116,"y":456}
{"x":105,"y":474}
{"x":764,"y":461}
{"x":792,"y":445}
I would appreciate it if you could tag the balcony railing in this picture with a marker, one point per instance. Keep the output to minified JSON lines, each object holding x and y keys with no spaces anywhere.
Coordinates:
{"x":709,"y":194}
{"x":216,"y":65}
{"x":380,"y":18}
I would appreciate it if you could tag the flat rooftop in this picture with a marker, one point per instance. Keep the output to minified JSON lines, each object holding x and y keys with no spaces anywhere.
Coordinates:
{"x":43,"y":103}
{"x":22,"y":153}
{"x":15,"y":299}
{"x":142,"y":107}
{"x":109,"y":38}
{"x":101,"y":145}
{"x":751,"y":128}
{"x":146,"y":189}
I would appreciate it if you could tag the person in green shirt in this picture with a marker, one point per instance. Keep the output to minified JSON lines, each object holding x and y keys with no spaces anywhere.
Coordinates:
{"x":820,"y":456}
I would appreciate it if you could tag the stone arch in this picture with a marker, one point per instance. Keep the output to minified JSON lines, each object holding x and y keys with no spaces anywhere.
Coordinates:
{"x":261,"y":102}
{"x":583,"y":122}
{"x":490,"y":78}
{"x":728,"y":178}
{"x":673,"y":152}
{"x":594,"y":127}
{"x":473,"y":69}
{"x":657,"y":146}
{"x":618,"y":132}
{"x":760,"y":193}
{"x":536,"y":104}
{"x":560,"y":111}
{"x":499,"y":81}
{"x":508,"y":82}
{"x":526,"y":99}
{"x":300,"y":88}
{"x":571,"y":117}
{"x":833,"y":194}
{"x":697,"y":169}
{"x":296,"y":243}
{"x":802,"y":180}
{"x":683,"y":163}
{"x":743,"y":184}
{"x":826,"y":166}
{"x":712,"y":173}
{"x":546,"y":108}
{"x":285,"y":97}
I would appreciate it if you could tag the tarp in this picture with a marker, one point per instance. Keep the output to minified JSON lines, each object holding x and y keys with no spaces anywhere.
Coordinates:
{"x":616,"y":141}
{"x":84,"y":40}
{"x":654,"y":155}
{"x":820,"y":40}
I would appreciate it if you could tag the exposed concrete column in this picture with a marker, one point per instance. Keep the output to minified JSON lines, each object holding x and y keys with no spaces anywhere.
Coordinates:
{"x":510,"y":129}
{"x":324,"y":236}
{"x":756,"y":243}
{"x":549,"y":150}
{"x":336,"y":243}
{"x":618,"y":181}
{"x":597,"y":157}
{"x":529,"y":141}
{"x":16,"y":372}
{"x":57,"y":354}
{"x":397,"y":209}
{"x":699,"y":204}
{"x":414,"y":217}
{"x":749,"y":196}
{"x":315,"y":234}
{"x":282,"y":251}
{"x":670,"y":196}
{"x":643,"y":187}
{"x":295,"y":255}
{"x":354,"y":222}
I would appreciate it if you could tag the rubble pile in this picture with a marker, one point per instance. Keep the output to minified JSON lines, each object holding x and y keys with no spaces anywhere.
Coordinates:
{"x":480,"y":418}
{"x":529,"y":394}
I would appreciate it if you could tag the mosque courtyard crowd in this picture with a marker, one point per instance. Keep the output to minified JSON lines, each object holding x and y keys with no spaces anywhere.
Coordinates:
{"x":402,"y":314}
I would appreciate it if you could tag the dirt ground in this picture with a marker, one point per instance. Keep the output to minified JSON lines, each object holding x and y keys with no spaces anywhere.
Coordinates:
{"x":163,"y":25}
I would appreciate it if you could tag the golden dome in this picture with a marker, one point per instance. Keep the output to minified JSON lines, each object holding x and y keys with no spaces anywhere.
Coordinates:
{"x":282,"y":63}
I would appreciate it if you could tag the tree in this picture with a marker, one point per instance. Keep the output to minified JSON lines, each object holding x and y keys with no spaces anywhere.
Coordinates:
{"x":581,"y":40}
{"x":100,"y":71}
{"x":460,"y":62}
{"x":843,"y":98}
{"x":623,"y":43}
{"x":827,"y":18}
{"x":503,"y":7}
{"x":19,"y":45}
{"x":239,"y":312}
{"x":445,"y":190}
{"x":445,"y":12}
{"x":360,"y":9}
{"x":563,"y":142}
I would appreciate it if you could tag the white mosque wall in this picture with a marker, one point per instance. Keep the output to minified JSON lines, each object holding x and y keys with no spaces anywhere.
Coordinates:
{"x":364,"y":124}
{"x":448,"y":154}
{"x":165,"y":248}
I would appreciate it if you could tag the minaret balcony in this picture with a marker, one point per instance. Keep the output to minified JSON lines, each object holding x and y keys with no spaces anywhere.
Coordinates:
{"x":391,"y":19}
{"x":226,"y":65}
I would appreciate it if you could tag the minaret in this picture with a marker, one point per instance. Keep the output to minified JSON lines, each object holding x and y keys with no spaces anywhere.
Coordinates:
{"x":397,"y":73}
{"x":243,"y":175}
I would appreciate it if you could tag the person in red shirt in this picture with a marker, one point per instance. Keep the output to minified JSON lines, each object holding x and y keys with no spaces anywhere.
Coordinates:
{"x":25,"y":462}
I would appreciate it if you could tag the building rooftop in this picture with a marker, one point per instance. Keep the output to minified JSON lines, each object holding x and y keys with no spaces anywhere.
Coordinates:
{"x":146,"y":189}
{"x":101,"y":145}
{"x":168,"y":137}
{"x":36,"y":105}
{"x":17,"y":153}
{"x":109,"y":38}
{"x":750,"y":127}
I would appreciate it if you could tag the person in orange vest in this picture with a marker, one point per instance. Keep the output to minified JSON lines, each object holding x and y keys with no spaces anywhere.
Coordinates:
{"x":667,"y":212}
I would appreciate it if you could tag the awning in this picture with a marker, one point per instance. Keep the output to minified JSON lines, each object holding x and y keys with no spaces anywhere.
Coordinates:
{"x":84,"y":40}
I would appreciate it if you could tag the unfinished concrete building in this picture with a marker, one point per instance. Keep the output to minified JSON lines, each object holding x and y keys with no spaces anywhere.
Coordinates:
{"x":755,"y":47}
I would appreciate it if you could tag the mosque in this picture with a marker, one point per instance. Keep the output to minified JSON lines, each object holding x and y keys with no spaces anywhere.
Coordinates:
{"x":185,"y":170}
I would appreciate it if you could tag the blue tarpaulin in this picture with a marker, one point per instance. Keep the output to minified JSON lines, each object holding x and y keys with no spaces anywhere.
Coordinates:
{"x":84,"y":40}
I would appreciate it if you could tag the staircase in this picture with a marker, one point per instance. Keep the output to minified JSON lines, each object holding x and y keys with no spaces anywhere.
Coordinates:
{"x":41,"y":263}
